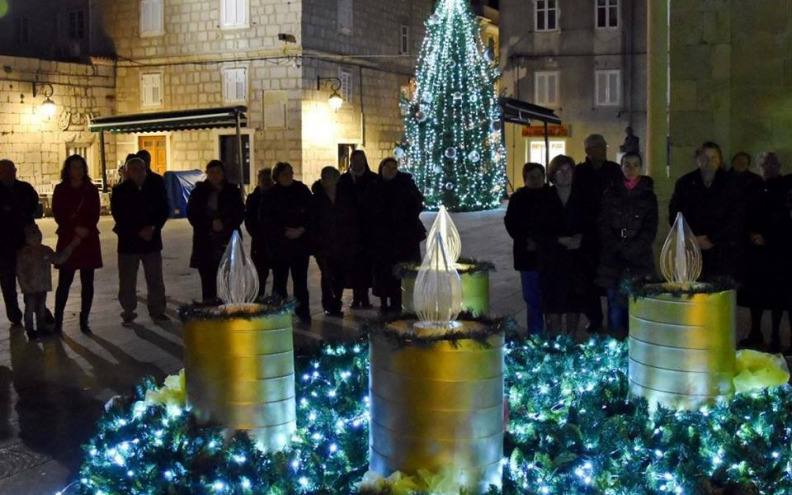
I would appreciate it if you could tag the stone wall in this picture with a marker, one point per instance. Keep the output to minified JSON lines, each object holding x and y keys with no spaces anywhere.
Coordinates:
{"x":731,"y":78}
{"x":39,"y":145}
{"x":191,"y":55}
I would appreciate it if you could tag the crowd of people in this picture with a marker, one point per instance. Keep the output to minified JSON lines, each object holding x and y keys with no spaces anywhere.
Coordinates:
{"x":358,"y":225}
{"x":584,"y":230}
{"x":580,"y":232}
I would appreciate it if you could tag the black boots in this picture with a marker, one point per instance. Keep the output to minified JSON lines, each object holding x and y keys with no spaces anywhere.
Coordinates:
{"x":84,"y":328}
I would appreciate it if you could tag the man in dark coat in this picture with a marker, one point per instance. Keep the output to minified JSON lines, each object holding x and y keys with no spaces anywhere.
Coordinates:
{"x":592,"y":178}
{"x":394,"y":229}
{"x":140,"y":210}
{"x":18,"y":206}
{"x":352,"y":189}
{"x":518,"y":224}
{"x":151,"y":176}
{"x":215,"y":210}
{"x":333,"y":229}
{"x":259,"y":251}
{"x":713,"y":208}
{"x":285,"y":217}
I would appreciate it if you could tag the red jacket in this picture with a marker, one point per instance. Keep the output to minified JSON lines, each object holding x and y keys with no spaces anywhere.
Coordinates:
{"x":78,"y":207}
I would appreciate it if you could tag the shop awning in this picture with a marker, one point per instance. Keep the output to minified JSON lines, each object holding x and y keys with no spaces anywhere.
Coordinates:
{"x":182,"y":120}
{"x":522,"y":112}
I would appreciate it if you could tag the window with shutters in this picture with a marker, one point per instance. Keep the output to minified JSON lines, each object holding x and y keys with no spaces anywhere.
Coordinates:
{"x":22,"y":30}
{"x":152,"y":17}
{"x":346,"y":84}
{"x":151,"y":90}
{"x":233,"y":14}
{"x":404,"y":40}
{"x":76,"y":25}
{"x":608,"y":88}
{"x":546,"y":18}
{"x":235,"y":84}
{"x":607,"y":14}
{"x":546,"y":88}
{"x":345,"y":17}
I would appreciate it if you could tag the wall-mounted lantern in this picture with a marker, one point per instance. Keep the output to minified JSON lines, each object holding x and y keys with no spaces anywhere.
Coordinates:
{"x":48,"y":108}
{"x":335,"y":101}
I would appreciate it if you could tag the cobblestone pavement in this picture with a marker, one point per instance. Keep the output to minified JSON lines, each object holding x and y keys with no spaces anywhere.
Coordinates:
{"x":53,"y":392}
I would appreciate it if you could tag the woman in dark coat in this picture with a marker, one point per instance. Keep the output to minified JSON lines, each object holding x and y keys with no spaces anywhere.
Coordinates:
{"x":627,"y":229}
{"x":215,"y":210}
{"x":394,"y":229}
{"x":352,"y":189}
{"x":333,"y":229}
{"x":284,"y":217}
{"x":713,"y":208}
{"x":518,"y":224}
{"x":769,"y":232}
{"x":558,"y":229}
{"x":76,"y":208}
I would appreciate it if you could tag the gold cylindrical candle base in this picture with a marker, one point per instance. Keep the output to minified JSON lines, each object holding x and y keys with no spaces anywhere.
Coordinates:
{"x":437,"y":407}
{"x":682,"y":348}
{"x":240,"y":373}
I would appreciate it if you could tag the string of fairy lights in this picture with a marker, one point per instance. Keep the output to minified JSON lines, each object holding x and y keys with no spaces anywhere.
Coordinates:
{"x":453,"y":143}
{"x":573,"y":428}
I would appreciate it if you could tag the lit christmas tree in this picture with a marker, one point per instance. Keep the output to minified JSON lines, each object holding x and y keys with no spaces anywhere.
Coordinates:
{"x":453,"y":142}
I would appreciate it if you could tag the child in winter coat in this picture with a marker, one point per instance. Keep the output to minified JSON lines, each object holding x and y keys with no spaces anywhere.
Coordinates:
{"x":34,"y":272}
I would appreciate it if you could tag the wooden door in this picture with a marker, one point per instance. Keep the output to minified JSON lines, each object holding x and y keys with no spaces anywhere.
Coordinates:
{"x":159,"y":156}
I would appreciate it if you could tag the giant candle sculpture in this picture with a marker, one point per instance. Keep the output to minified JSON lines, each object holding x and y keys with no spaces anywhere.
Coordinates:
{"x":436,"y":398}
{"x":682,"y":337}
{"x":239,"y":357}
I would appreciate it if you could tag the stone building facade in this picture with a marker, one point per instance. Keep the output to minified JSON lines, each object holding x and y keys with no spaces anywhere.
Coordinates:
{"x":39,"y":144}
{"x":267,"y":55}
{"x":585,"y":59}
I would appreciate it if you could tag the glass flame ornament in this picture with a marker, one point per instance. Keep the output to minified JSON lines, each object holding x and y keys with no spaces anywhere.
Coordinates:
{"x":237,"y":280}
{"x":449,"y":235}
{"x":680,"y":259}
{"x":437,"y":297}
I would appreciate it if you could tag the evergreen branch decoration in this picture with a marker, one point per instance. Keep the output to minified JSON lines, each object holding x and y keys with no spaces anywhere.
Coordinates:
{"x":465,"y":266}
{"x":573,"y":429}
{"x":269,"y":306}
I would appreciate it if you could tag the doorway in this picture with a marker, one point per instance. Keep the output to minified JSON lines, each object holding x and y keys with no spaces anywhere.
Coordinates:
{"x":157,"y":146}
{"x":345,"y":155}
{"x":229,"y":151}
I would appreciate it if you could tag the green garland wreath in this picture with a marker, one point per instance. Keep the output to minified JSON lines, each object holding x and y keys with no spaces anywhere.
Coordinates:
{"x":469,"y":266}
{"x":639,"y":288}
{"x":269,"y":306}
{"x":481,"y":334}
{"x":573,"y":429}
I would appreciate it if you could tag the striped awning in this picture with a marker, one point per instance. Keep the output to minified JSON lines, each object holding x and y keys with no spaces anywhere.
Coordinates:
{"x":181,"y":120}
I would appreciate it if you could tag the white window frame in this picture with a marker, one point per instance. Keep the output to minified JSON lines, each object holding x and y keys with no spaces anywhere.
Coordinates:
{"x":404,"y":40}
{"x":244,"y":6}
{"x":546,"y":10}
{"x":158,"y":28}
{"x":607,"y":7}
{"x":544,"y":99}
{"x":245,"y":80}
{"x":145,"y":101}
{"x":83,"y":21}
{"x":611,"y":99}
{"x":347,"y":84}
{"x":346,"y":17}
